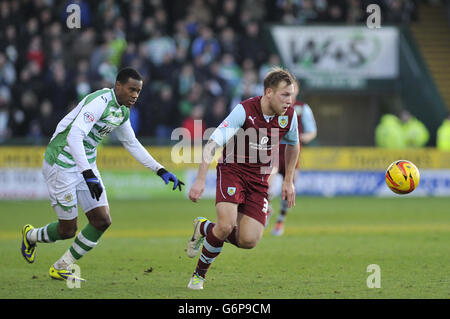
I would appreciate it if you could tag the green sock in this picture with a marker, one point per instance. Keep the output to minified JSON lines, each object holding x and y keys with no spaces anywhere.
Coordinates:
{"x":85,"y":241}
{"x":46,"y":234}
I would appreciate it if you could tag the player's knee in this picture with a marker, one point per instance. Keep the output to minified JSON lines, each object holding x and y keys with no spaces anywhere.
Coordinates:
{"x":223,"y":230}
{"x":102,"y":224}
{"x":247,"y":243}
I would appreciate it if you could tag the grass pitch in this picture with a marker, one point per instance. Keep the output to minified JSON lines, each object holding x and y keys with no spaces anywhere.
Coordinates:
{"x":327,"y":246}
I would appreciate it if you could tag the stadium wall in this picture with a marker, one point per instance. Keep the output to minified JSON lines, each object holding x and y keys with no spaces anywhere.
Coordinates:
{"x":325,"y":171}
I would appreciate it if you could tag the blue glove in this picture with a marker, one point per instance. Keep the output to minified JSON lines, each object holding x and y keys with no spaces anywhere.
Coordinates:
{"x":93,"y":183}
{"x":168,"y":176}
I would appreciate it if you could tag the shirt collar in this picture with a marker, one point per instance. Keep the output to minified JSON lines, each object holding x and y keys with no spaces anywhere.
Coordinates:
{"x":114,"y":97}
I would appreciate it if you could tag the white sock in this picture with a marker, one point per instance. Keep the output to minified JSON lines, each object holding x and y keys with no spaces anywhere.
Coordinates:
{"x":32,"y":236}
{"x":39,"y":235}
{"x":65,"y":261}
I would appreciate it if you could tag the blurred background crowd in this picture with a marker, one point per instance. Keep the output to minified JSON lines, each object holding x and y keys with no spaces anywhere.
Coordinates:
{"x":198,"y":57}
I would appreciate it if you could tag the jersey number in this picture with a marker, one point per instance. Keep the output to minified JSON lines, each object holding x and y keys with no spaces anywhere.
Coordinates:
{"x":265,"y":206}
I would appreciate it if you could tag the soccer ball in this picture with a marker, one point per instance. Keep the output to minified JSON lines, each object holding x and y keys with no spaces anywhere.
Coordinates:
{"x":402,"y":177}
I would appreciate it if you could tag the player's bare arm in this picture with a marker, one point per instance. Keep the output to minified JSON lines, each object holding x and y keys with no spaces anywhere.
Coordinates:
{"x":198,"y":187}
{"x":288,"y":188}
{"x":307,"y":137}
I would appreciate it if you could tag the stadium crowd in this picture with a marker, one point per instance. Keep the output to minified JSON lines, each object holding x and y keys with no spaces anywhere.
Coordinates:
{"x":197,"y":57}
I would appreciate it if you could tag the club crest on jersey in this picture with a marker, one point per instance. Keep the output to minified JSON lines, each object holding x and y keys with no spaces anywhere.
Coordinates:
{"x":231,"y":191}
{"x":283,"y":121}
{"x":88,"y":117}
{"x":68,"y":197}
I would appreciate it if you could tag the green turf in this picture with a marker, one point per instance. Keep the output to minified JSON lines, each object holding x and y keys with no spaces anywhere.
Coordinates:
{"x":327,"y":246}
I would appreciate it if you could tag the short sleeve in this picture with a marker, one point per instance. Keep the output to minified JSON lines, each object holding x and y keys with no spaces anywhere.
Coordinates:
{"x":291,"y":136}
{"x":229,"y":126}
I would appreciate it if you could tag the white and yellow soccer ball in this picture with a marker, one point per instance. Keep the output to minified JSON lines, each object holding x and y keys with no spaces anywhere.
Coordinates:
{"x":402,"y":177}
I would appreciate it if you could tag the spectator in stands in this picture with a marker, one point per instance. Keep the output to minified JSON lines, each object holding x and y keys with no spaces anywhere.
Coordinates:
{"x":389,"y":132}
{"x":194,"y":123}
{"x":35,"y":52}
{"x":159,"y":46}
{"x":164,"y":111}
{"x":414,"y":131}
{"x":230,"y":71}
{"x":181,"y":35}
{"x":9,"y":44}
{"x":251,"y":46}
{"x":208,"y":47}
{"x":61,"y":89}
{"x":205,"y":43}
{"x":228,"y":41}
{"x":336,"y":11}
{"x":399,"y":11}
{"x":47,"y":118}
{"x":7,"y":71}
{"x":306,"y":12}
{"x":355,"y":12}
{"x":231,"y":10}
{"x":215,"y":115}
{"x":272,"y":61}
{"x":5,"y":96}
{"x":186,"y":79}
{"x":195,"y":96}
{"x":443,"y":135}
{"x":215,"y":85}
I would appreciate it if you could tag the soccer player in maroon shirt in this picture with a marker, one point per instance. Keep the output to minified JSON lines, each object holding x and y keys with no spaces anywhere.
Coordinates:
{"x":307,"y":131}
{"x":250,"y":132}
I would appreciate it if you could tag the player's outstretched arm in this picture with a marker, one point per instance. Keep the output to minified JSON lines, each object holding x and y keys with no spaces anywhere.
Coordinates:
{"x":198,"y":187}
{"x":288,"y":188}
{"x":308,"y":137}
{"x":169,"y":177}
{"x":126,"y":136}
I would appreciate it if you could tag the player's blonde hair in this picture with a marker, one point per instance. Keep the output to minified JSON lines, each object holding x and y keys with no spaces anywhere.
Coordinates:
{"x":277,"y":75}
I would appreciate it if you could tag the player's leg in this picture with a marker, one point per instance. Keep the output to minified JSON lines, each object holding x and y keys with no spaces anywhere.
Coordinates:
{"x":87,"y":239}
{"x":214,"y":239}
{"x":65,"y":227}
{"x":278,"y":229}
{"x":97,"y":212}
{"x":47,"y":234}
{"x":202,"y":226}
{"x":250,"y":231}
{"x":62,"y":192}
{"x":252,"y":217}
{"x":271,"y":193}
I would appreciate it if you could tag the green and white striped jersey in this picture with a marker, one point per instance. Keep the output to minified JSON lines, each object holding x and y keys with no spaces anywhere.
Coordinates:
{"x":96,"y":116}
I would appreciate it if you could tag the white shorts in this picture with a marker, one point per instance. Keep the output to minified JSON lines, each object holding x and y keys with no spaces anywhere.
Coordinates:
{"x":67,"y":189}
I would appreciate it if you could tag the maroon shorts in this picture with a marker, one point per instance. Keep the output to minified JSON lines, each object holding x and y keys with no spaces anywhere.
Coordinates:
{"x":243,"y":188}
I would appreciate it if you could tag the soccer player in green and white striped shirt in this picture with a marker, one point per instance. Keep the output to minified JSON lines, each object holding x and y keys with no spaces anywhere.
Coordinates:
{"x":72,"y":176}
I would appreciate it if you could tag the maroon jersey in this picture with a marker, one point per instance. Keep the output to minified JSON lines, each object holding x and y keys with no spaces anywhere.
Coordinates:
{"x":246,"y":161}
{"x":251,"y":147}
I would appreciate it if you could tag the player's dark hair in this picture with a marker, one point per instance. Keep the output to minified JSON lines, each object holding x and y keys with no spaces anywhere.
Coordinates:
{"x":277,"y":75}
{"x":126,"y":73}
